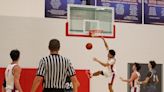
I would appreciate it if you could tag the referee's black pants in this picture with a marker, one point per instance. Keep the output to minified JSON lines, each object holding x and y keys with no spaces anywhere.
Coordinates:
{"x":52,"y":90}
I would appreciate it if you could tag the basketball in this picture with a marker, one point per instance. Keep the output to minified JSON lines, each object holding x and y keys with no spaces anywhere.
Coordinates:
{"x":89,"y":46}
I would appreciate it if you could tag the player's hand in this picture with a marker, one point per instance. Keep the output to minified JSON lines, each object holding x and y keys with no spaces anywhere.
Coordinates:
{"x":121,"y":79}
{"x":102,"y":38}
{"x":138,"y":83}
{"x":95,"y":59}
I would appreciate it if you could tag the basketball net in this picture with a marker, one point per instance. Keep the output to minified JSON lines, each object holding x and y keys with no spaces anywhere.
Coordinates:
{"x":95,"y":32}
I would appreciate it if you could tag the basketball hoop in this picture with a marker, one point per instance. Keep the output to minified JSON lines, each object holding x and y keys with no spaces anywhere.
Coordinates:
{"x":95,"y":32}
{"x":90,"y":21}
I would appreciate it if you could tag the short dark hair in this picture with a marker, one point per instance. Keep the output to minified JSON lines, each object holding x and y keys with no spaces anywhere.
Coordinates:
{"x":137,"y":66}
{"x":112,"y":52}
{"x":54,"y":45}
{"x":153,"y":64}
{"x":14,"y":54}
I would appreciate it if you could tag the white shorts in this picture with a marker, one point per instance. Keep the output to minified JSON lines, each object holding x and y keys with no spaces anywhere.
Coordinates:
{"x":135,"y":89}
{"x":10,"y":90}
{"x":110,"y":76}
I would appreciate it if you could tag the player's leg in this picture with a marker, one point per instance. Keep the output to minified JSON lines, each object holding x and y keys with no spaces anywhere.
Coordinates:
{"x":94,"y":74}
{"x":132,"y":89}
{"x":111,"y":80}
{"x":138,"y":89}
{"x":9,"y":90}
{"x":135,"y":89}
{"x":110,"y":88}
{"x":97,"y":73}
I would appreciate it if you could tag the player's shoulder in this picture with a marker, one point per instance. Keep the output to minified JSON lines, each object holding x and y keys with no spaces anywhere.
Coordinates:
{"x":137,"y":73}
{"x":16,"y":67}
{"x":13,"y":65}
{"x":9,"y":65}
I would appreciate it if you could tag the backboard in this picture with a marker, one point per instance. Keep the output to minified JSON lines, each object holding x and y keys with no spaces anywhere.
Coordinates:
{"x":82,"y":19}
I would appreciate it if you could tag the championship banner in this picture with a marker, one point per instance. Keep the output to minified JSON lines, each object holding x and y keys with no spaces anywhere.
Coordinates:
{"x":58,"y":8}
{"x":125,"y":10}
{"x":154,"y":12}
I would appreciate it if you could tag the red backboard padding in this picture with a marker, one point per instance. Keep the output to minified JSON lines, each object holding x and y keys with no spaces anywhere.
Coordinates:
{"x":2,"y":71}
{"x":28,"y":74}
{"x":82,"y":35}
{"x":84,"y":81}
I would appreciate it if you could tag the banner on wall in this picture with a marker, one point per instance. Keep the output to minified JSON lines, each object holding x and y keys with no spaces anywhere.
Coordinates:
{"x":125,"y":10}
{"x":58,"y":8}
{"x":154,"y":12}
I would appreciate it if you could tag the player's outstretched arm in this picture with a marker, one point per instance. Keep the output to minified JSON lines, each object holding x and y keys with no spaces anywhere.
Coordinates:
{"x":133,"y":77}
{"x":101,"y":63}
{"x":145,"y":81}
{"x":105,"y":43}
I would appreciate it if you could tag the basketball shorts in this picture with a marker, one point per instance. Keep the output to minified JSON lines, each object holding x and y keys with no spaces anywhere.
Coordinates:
{"x":109,"y":75}
{"x":135,"y":89}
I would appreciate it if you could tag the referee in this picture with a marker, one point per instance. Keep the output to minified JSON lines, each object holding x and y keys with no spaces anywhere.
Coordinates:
{"x":53,"y":71}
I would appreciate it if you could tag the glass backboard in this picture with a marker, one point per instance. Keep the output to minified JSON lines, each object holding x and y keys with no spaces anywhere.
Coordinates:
{"x":83,"y":18}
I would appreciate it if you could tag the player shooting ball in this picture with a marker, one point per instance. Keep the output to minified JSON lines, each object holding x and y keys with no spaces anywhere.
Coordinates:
{"x":109,"y":64}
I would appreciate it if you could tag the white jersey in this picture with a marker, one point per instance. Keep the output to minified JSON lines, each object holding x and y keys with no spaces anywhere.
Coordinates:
{"x":9,"y":77}
{"x":110,"y":69}
{"x":135,"y":87}
{"x":134,"y":83}
{"x":112,"y":61}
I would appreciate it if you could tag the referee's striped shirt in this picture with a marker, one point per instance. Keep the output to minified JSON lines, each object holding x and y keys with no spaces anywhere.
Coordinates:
{"x":55,"y":68}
